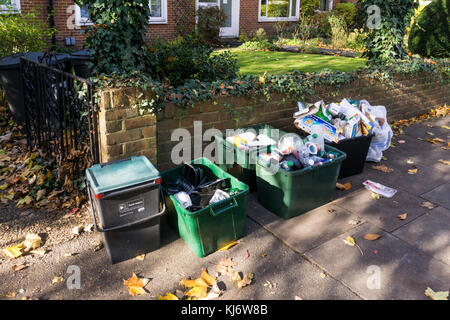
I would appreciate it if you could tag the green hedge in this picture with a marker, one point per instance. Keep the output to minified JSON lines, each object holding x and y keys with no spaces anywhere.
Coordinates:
{"x":429,"y":34}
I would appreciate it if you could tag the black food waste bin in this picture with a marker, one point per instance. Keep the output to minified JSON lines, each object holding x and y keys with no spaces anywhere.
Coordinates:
{"x":127,"y":205}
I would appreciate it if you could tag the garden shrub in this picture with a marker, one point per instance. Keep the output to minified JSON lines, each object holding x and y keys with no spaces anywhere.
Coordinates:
{"x":347,"y":10}
{"x":308,"y":7}
{"x":182,"y":59}
{"x":356,"y":39}
{"x":387,"y":41}
{"x":23,"y":33}
{"x":429,"y":34}
{"x":338,"y":31}
{"x":305,"y":28}
{"x":323,"y":25}
{"x":210,"y":19}
{"x":117,"y":36}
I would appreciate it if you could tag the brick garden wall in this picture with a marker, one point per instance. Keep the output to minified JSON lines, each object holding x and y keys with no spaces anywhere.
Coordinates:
{"x":125,"y":133}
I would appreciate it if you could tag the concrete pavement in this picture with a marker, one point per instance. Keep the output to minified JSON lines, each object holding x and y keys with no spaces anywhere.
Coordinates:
{"x":302,"y":257}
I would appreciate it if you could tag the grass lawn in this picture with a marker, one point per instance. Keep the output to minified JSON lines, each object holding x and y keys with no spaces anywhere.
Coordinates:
{"x":258,"y":62}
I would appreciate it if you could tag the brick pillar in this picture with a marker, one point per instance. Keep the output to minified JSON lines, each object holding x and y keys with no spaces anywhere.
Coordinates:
{"x":124,"y":132}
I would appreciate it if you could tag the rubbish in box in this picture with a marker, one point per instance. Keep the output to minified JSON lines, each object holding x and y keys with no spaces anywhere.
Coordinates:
{"x":347,"y":120}
{"x":194,"y":192}
{"x":248,"y":140}
{"x":293,"y":153}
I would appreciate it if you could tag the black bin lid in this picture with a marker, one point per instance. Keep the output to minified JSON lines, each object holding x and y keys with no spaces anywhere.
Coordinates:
{"x":82,"y":55}
{"x":13,"y":61}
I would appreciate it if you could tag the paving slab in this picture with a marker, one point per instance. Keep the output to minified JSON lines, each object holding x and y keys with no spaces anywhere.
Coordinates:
{"x":269,"y":259}
{"x":389,"y":268}
{"x":308,"y":230}
{"x":382,"y":212}
{"x":430,"y":233}
{"x":422,"y":129}
{"x":439,"y":195}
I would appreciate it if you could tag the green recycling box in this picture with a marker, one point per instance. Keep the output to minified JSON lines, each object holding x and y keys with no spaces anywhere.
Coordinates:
{"x":125,"y":197}
{"x":242,"y":163}
{"x":209,"y":229}
{"x":291,"y":193}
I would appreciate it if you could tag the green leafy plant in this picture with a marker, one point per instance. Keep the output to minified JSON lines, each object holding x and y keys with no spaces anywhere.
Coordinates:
{"x":23,"y":33}
{"x":118,"y":34}
{"x":429,"y":34}
{"x":338,"y":31}
{"x":210,"y":19}
{"x":346,"y":10}
{"x":180,"y":60}
{"x":309,"y":6}
{"x":387,"y":41}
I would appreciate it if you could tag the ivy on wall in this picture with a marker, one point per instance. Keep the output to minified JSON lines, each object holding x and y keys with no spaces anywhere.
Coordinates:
{"x":295,"y":86}
{"x":117,"y":36}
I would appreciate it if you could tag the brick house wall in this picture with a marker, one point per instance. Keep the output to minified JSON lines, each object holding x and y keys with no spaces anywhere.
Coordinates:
{"x":248,"y":19}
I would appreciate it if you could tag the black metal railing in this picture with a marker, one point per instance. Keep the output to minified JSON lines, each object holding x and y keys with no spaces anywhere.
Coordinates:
{"x":61,"y":112}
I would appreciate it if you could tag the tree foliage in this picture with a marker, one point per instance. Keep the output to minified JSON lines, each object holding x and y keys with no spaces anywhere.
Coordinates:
{"x":117,"y":36}
{"x":430,"y":33}
{"x":386,"y":40}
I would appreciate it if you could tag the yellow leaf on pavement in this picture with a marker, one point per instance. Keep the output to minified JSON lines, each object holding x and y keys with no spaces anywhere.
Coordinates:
{"x":444,"y":162}
{"x":441,"y":295}
{"x":205,"y":280}
{"x":32,"y":242}
{"x":346,"y":186}
{"x":141,"y":257}
{"x":135,"y":285}
{"x":372,"y":236}
{"x":210,"y":280}
{"x":197,"y":292}
{"x":403,"y":216}
{"x":349,"y":241}
{"x":228,"y":246}
{"x":168,"y":296}
{"x":15,"y":251}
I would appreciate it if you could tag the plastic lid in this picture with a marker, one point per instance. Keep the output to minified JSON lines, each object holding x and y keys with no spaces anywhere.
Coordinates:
{"x":13,"y":61}
{"x":121,"y":174}
{"x":81,"y":55}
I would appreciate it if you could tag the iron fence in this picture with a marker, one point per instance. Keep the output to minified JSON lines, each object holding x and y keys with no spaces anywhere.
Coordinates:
{"x":61,"y":111}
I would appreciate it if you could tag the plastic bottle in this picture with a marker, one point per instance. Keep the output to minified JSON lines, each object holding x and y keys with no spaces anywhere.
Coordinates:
{"x":317,"y":137}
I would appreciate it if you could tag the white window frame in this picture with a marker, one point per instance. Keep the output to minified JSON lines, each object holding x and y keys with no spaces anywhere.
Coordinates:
{"x":14,"y":10}
{"x":275,"y":19}
{"x":80,"y":21}
{"x":160,"y":20}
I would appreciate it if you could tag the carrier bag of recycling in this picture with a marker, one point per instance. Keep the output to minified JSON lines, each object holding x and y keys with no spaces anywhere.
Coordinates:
{"x":382,"y":132}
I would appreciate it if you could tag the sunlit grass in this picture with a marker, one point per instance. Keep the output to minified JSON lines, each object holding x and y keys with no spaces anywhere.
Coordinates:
{"x":274,"y":62}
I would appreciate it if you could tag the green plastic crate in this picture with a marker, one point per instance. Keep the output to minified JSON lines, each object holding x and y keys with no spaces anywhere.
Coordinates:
{"x":244,"y":161}
{"x":291,"y":193}
{"x":207,"y":230}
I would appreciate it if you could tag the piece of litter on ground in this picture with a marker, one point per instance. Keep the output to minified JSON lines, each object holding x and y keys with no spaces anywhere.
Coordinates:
{"x":379,"y":189}
{"x":403,"y":216}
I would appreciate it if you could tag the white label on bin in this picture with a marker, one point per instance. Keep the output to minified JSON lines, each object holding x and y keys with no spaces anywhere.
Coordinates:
{"x":131,"y":207}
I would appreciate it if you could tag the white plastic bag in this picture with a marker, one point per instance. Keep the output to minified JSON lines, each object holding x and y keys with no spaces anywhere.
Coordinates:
{"x":383,"y":133}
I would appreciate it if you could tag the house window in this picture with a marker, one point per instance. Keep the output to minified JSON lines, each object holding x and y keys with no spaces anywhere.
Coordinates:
{"x":278,"y":10}
{"x":158,"y":11}
{"x":12,"y":6}
{"x":326,"y":5}
{"x":82,"y":16}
